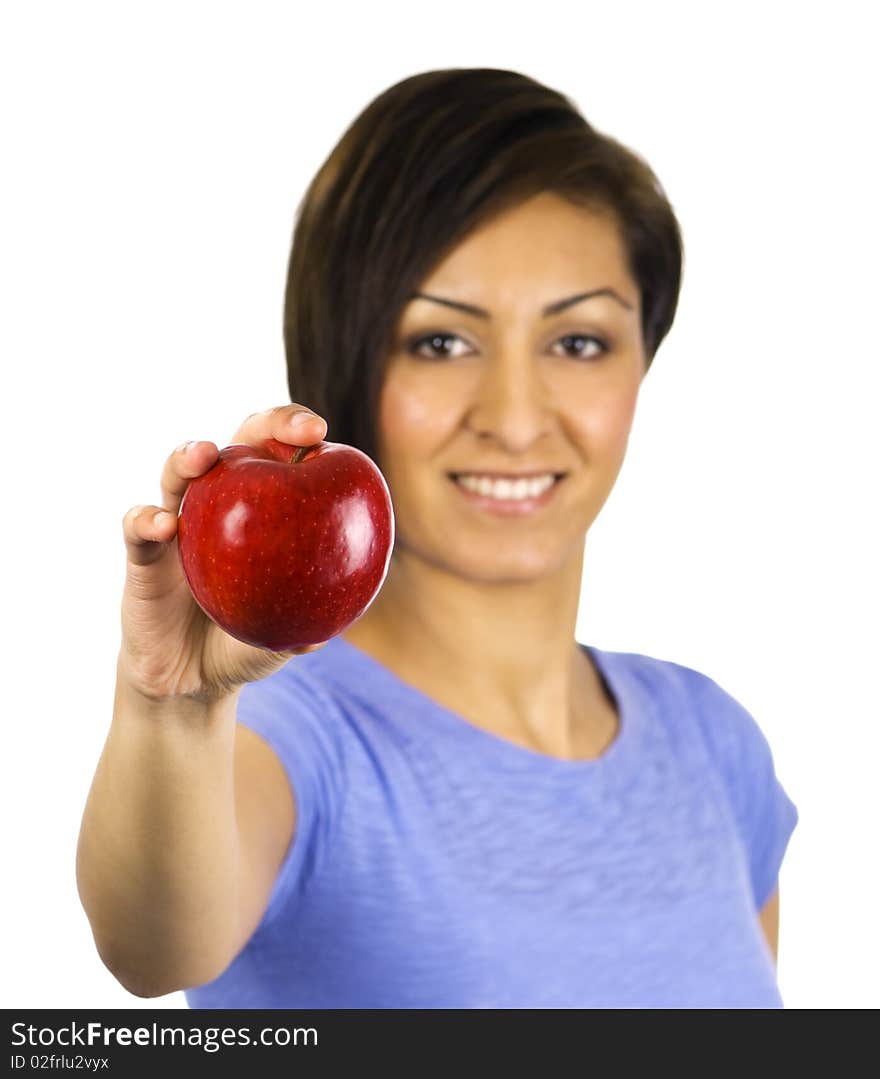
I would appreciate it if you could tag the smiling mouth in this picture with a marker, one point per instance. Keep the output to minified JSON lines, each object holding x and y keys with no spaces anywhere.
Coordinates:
{"x":516,"y":497}
{"x":511,"y":477}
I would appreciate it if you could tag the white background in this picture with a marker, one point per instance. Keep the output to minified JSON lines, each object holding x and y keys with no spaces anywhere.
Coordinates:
{"x":154,"y":155}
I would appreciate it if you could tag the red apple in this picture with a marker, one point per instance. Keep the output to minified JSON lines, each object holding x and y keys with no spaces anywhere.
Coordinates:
{"x":286,"y":546}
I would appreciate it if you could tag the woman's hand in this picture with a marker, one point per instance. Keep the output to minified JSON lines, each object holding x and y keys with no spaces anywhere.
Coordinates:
{"x":170,"y":648}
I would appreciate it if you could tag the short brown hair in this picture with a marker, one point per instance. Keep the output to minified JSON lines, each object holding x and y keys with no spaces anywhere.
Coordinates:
{"x":427,"y":161}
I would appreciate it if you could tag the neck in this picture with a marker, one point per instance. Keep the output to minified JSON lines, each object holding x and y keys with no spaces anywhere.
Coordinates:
{"x":502,"y":654}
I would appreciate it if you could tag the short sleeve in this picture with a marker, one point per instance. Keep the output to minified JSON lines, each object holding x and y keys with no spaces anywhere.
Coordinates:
{"x":765,"y":815}
{"x":297,"y":718}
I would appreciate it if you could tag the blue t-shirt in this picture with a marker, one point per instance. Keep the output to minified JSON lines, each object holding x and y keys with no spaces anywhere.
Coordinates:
{"x":436,"y":865}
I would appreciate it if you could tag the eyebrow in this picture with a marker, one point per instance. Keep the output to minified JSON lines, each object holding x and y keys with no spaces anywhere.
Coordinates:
{"x":550,"y":309}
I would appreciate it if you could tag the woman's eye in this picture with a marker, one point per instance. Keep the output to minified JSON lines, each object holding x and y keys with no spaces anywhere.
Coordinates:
{"x":577,"y":340}
{"x":431,"y":345}
{"x":437,"y":345}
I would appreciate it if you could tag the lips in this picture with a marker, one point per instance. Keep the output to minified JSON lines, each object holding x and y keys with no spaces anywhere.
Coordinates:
{"x":508,"y":507}
{"x":513,"y":476}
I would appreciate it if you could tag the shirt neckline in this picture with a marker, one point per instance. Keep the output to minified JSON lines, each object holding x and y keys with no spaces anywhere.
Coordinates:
{"x":615,"y":761}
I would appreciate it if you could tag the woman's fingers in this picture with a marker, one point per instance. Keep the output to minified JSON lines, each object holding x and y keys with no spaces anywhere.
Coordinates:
{"x":294,"y":424}
{"x":189,"y":460}
{"x":146,"y":529}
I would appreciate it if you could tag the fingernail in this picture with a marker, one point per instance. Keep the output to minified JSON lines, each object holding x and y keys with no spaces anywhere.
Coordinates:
{"x":302,"y":418}
{"x":184,"y":446}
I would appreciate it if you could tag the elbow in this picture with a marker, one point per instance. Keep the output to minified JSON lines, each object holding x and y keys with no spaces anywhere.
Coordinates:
{"x":148,"y":988}
{"x":138,"y":982}
{"x":135,"y":982}
{"x":151,"y":970}
{"x":145,"y":992}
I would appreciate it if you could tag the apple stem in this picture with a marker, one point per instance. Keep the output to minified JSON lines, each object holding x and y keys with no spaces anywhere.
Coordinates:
{"x":301,"y":451}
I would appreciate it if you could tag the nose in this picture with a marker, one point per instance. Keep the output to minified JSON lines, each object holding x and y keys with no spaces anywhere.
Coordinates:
{"x":511,"y":402}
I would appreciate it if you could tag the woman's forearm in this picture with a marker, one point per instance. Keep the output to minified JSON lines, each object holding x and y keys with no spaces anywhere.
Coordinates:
{"x":157,"y":859}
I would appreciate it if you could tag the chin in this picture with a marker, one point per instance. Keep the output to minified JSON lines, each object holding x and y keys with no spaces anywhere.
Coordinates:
{"x":501,"y":565}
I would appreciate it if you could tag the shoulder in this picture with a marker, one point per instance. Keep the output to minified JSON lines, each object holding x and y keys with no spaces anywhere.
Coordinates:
{"x":296,"y":714}
{"x":291,"y":769}
{"x":690,"y":702}
{"x":294,"y":701}
{"x":697,"y":709}
{"x":733,"y":736}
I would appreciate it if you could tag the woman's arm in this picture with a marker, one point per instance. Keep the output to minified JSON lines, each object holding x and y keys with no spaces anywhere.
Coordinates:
{"x":185,"y":823}
{"x":157,"y":862}
{"x":769,"y":918}
{"x":175,"y":875}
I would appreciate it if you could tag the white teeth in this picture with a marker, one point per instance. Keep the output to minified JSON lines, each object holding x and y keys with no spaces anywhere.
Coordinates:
{"x":510,"y":489}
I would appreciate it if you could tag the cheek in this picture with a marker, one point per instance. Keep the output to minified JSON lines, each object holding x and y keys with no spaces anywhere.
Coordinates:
{"x":412,"y":417}
{"x":620,"y":416}
{"x":604,"y":419}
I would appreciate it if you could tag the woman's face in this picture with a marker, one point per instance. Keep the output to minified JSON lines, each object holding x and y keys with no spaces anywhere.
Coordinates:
{"x":517,"y":390}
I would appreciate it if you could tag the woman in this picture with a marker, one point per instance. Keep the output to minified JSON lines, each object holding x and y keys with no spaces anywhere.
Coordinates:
{"x":452,"y":803}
